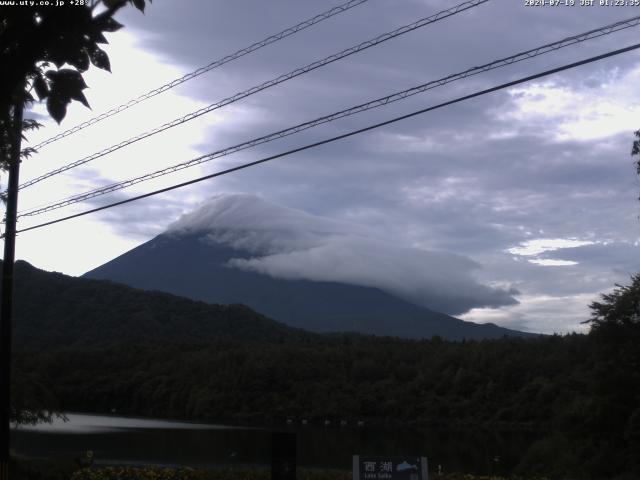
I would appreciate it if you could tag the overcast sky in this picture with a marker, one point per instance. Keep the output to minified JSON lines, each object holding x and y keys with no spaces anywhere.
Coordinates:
{"x":531,"y":190}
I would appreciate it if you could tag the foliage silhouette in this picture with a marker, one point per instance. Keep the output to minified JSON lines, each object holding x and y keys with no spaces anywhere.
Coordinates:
{"x":45,"y":50}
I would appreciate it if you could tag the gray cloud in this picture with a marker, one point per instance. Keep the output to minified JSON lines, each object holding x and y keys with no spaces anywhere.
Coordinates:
{"x":289,"y":243}
{"x":616,"y":256}
{"x":475,"y":179}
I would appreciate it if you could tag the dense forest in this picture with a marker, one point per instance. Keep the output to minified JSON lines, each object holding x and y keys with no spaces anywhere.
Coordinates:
{"x":577,"y":394}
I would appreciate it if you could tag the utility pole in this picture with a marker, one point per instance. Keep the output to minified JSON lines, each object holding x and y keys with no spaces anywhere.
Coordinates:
{"x":6,"y":305}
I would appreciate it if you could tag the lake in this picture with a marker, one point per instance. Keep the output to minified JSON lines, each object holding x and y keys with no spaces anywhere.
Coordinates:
{"x":137,"y":441}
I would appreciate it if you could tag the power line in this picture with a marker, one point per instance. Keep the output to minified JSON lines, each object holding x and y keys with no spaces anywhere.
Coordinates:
{"x":282,"y":78}
{"x":215,"y":64}
{"x":343,"y":136}
{"x":606,"y":30}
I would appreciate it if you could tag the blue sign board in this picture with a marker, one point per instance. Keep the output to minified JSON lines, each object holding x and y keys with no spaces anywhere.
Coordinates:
{"x":390,"y":468}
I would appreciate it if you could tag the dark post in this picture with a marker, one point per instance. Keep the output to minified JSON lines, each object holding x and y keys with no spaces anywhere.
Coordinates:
{"x":6,"y":306}
{"x":283,"y":456}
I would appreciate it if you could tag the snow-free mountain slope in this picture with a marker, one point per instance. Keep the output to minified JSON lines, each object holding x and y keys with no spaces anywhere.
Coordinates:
{"x":308,"y":272}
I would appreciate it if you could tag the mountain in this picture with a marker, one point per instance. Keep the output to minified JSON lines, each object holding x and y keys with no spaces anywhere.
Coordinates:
{"x":54,"y":310}
{"x":204,"y":259}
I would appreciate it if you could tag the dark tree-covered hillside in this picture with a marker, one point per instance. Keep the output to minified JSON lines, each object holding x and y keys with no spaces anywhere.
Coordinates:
{"x":94,"y":346}
{"x":53,"y":310}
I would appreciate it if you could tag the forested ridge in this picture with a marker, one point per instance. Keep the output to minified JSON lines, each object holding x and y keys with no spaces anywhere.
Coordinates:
{"x":579,"y":394}
{"x":382,"y":380}
{"x":53,"y":310}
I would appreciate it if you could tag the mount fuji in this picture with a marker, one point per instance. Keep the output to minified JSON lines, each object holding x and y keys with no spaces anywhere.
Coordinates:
{"x":309,"y":272}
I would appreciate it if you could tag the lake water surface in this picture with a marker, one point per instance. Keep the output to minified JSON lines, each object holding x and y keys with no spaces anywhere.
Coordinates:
{"x":137,"y":441}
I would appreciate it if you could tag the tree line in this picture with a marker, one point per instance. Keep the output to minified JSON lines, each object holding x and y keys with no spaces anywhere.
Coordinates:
{"x":577,"y":394}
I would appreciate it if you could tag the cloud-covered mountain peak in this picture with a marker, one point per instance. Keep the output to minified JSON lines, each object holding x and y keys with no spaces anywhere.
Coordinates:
{"x":236,"y":211}
{"x":249,"y":222}
{"x":287,"y":243}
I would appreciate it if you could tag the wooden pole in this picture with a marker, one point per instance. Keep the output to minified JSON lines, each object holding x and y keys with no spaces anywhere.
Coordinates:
{"x":6,"y":301}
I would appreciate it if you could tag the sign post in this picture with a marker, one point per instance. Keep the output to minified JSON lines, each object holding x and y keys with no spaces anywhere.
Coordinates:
{"x":390,"y":468}
{"x":283,"y":456}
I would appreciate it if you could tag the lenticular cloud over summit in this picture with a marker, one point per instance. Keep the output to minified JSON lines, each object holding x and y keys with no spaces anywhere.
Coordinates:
{"x":287,"y":243}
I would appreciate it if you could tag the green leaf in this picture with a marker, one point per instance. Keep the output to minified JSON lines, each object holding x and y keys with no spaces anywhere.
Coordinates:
{"x":27,"y":152}
{"x":41,"y":87}
{"x":79,"y":96}
{"x":100,"y":59}
{"x":107,"y":24}
{"x":80,"y":61}
{"x":66,"y":79}
{"x":113,"y":3}
{"x":30,"y":124}
{"x":56,"y":56}
{"x":98,"y":37}
{"x":57,"y":108}
{"x":139,"y":4}
{"x":66,"y":84}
